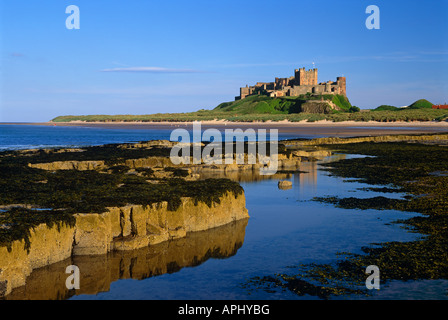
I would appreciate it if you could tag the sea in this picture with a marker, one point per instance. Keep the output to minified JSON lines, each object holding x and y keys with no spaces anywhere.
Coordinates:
{"x":16,"y":137}
{"x":286,"y":229}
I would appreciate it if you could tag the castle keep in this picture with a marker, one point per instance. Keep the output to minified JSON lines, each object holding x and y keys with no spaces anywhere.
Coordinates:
{"x":303,"y":82}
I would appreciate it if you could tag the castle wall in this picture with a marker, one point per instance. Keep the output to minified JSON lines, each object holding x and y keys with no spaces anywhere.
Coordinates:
{"x":318,"y":89}
{"x":246,"y":91}
{"x":281,"y":82}
{"x":298,"y":90}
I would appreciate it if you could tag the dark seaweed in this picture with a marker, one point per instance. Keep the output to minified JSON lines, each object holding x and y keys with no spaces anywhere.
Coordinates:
{"x":67,"y":192}
{"x":17,"y":223}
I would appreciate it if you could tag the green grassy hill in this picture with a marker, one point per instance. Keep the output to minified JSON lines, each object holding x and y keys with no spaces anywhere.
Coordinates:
{"x":386,"y":108}
{"x":261,"y":104}
{"x":421,"y":104}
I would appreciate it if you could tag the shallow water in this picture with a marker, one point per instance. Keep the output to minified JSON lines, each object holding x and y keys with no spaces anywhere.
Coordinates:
{"x":285,"y":228}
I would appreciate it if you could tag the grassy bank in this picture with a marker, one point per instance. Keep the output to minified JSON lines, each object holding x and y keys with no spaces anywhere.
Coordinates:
{"x":210,"y":115}
{"x":263,"y":108}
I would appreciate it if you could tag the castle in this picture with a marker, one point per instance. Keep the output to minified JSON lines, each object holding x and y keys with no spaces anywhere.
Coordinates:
{"x":303,"y":82}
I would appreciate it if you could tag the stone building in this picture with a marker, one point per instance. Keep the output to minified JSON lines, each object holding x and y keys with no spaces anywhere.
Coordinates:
{"x":303,"y":82}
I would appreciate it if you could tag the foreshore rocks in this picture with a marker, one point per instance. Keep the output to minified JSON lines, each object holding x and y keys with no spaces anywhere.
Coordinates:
{"x":48,"y":245}
{"x":284,"y":162}
{"x":118,"y":229}
{"x":98,"y":272}
{"x":385,"y":138}
{"x":70,"y":165}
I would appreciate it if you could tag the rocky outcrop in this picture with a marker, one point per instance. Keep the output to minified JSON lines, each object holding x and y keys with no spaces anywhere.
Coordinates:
{"x":98,"y":272}
{"x":284,"y":162}
{"x":101,"y":165}
{"x":119,"y":229}
{"x":321,"y":107}
{"x":386,"y":138}
{"x":133,"y":227}
{"x":48,"y":245}
{"x":70,"y":165}
{"x":312,"y":154}
{"x":149,"y":162}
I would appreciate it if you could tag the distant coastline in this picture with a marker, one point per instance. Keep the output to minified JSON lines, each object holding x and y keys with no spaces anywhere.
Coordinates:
{"x":271,"y":122}
{"x":268,"y":123}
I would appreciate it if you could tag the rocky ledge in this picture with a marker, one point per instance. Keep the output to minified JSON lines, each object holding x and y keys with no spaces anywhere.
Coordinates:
{"x":98,"y":272}
{"x":61,"y":203}
{"x":118,"y":229}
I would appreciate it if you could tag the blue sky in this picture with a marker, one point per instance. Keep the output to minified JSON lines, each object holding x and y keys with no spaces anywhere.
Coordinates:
{"x":143,"y":57}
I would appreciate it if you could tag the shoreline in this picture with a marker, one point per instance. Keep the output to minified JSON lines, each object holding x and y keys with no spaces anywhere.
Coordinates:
{"x":300,"y":129}
{"x":283,"y":123}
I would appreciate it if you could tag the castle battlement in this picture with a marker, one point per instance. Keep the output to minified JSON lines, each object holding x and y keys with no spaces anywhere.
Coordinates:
{"x":303,"y":82}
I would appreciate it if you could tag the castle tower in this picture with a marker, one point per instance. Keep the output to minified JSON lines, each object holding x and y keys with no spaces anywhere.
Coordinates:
{"x":342,"y":82}
{"x":306,"y":78}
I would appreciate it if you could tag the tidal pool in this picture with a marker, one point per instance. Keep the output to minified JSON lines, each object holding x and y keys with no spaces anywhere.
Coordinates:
{"x":286,"y":228}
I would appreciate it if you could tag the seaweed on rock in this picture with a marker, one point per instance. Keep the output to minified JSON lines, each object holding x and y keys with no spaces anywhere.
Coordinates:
{"x":17,"y":223}
{"x":68,"y":192}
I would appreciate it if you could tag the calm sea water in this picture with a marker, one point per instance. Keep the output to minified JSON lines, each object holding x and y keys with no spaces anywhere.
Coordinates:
{"x":14,"y":137}
{"x":34,"y":136}
{"x":285,"y":228}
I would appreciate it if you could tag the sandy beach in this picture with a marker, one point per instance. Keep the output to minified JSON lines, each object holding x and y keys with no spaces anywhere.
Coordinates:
{"x":327,"y":128}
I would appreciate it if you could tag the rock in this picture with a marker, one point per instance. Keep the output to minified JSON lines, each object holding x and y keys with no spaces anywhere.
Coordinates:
{"x":287,"y":164}
{"x":98,"y":272}
{"x":318,"y":107}
{"x":284,"y":185}
{"x":48,"y":245}
{"x":3,"y":286}
{"x":319,"y":154}
{"x":119,"y":229}
{"x":387,"y":138}
{"x":69,"y":165}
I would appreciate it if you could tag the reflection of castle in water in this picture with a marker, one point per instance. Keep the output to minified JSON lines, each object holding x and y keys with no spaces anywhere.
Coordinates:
{"x":244,"y":175}
{"x":308,"y":181}
{"x":98,"y":272}
{"x":305,"y":179}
